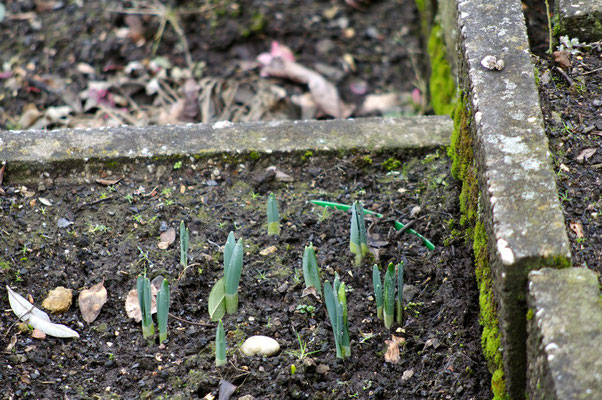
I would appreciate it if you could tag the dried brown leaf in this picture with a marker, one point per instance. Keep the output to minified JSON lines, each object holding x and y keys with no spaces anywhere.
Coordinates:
{"x":167,"y":238}
{"x":132,"y":307}
{"x":577,"y":227}
{"x":585,"y":154}
{"x":563,"y":59}
{"x":91,"y":301}
{"x":108,"y":182}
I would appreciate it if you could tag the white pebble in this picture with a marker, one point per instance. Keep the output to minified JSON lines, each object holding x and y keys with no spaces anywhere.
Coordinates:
{"x":262,"y":345}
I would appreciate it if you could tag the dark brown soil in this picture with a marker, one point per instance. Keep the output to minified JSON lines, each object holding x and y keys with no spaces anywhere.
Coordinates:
{"x":571,"y":101}
{"x":114,"y":237}
{"x":43,"y":51}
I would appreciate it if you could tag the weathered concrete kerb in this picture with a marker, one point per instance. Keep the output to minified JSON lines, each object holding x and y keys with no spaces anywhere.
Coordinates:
{"x":565,"y":335}
{"x":163,"y":141}
{"x":518,"y":198}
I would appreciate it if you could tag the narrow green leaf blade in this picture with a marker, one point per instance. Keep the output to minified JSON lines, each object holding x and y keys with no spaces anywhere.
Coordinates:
{"x":163,"y":310}
{"x":389,"y":296}
{"x":217,"y":304}
{"x":311,"y":273}
{"x":273,"y":216}
{"x":228,"y":249}
{"x":378,"y":291}
{"x":220,"y":345}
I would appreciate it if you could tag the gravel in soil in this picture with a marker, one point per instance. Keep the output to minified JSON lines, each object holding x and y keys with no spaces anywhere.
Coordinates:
{"x":114,"y":236}
{"x":570,"y":89}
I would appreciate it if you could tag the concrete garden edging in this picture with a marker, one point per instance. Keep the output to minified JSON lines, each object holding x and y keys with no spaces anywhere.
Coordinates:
{"x":510,"y":202}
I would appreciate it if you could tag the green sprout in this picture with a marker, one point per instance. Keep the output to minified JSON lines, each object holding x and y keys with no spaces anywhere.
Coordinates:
{"x":399,"y":302}
{"x":220,"y":345}
{"x":378,"y":291}
{"x":311,"y":272}
{"x":224,"y":294}
{"x":163,"y":310}
{"x":358,"y":244}
{"x":336,"y":305}
{"x":273,"y":217}
{"x":184,"y":237}
{"x":302,"y":352}
{"x":144,"y":300}
{"x":389,"y":296}
{"x":386,"y":302}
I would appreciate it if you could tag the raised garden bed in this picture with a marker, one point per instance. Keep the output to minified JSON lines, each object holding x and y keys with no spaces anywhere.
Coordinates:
{"x":114,"y":237}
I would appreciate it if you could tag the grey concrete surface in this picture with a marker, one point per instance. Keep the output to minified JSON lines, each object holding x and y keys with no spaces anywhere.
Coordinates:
{"x":565,"y":335}
{"x":580,"y":19}
{"x":519,"y":197}
{"x":157,"y":141}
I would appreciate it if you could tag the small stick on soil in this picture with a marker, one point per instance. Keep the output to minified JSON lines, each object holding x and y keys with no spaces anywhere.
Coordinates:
{"x":92,"y":203}
{"x":189,"y":322}
{"x":565,"y":76}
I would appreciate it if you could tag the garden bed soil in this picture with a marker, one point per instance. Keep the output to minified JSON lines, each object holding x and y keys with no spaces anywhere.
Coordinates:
{"x":114,"y":237}
{"x":570,"y":89}
{"x":70,"y":54}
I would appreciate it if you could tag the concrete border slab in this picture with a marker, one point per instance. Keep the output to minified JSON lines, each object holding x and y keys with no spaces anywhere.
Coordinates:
{"x":519,"y":197}
{"x":36,"y":147}
{"x":565,"y":335}
{"x":580,"y":18}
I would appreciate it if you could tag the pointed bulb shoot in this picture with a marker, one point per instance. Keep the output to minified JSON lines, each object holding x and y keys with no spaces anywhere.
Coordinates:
{"x":311,"y":273}
{"x":399,"y":305}
{"x":220,"y":345}
{"x":184,"y":237}
{"x":144,"y":300}
{"x":232,"y":276}
{"x":358,"y":244}
{"x":378,"y":291}
{"x":163,"y":310}
{"x":273,"y":216}
{"x":336,"y":306}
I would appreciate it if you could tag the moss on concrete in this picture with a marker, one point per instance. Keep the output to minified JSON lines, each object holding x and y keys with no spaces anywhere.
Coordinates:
{"x":464,"y":169}
{"x":442,"y":85}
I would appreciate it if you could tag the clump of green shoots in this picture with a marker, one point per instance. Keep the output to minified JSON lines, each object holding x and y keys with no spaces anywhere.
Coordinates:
{"x":224,"y":294}
{"x":163,"y":310}
{"x":336,"y":305}
{"x":386,"y":301}
{"x":273,"y":217}
{"x":358,"y":243}
{"x":144,"y":300}
{"x":184,"y":236}
{"x":220,"y":345}
{"x":311,"y":272}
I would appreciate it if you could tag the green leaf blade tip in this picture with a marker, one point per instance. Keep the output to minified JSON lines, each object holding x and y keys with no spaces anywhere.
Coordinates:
{"x":144,"y":301}
{"x":378,"y":291}
{"x":389,"y":296}
{"x":273,"y":216}
{"x":220,"y":345}
{"x":232,"y":278}
{"x":163,"y":310}
{"x":311,"y":273}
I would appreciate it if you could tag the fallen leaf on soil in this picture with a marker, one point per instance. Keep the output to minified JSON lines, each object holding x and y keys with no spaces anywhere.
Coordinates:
{"x":392,"y":354}
{"x":190,"y":108}
{"x":577,"y":227}
{"x":585,"y":154}
{"x":279,"y":63}
{"x":58,"y":300}
{"x":91,"y":301}
{"x":45,"y":201}
{"x":167,"y":238}
{"x":432,"y":342}
{"x":11,"y":344}
{"x":268,"y":250}
{"x":280,"y":176}
{"x":63,"y":222}
{"x":2,"y":177}
{"x":226,"y":389}
{"x":38,"y":334}
{"x":562,"y":58}
{"x":132,"y":307}
{"x":380,"y":103}
{"x":310,"y":291}
{"x":322,"y":369}
{"x":37,"y":318}
{"x":108,"y":182}
{"x":407,"y":374}
{"x":29,"y":116}
{"x":136,"y":31}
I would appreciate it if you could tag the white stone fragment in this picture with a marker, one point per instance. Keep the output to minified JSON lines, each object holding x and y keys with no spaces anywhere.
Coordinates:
{"x":506,"y":253}
{"x":477,"y":117}
{"x":262,"y":345}
{"x":492,"y":63}
{"x":222,"y":124}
